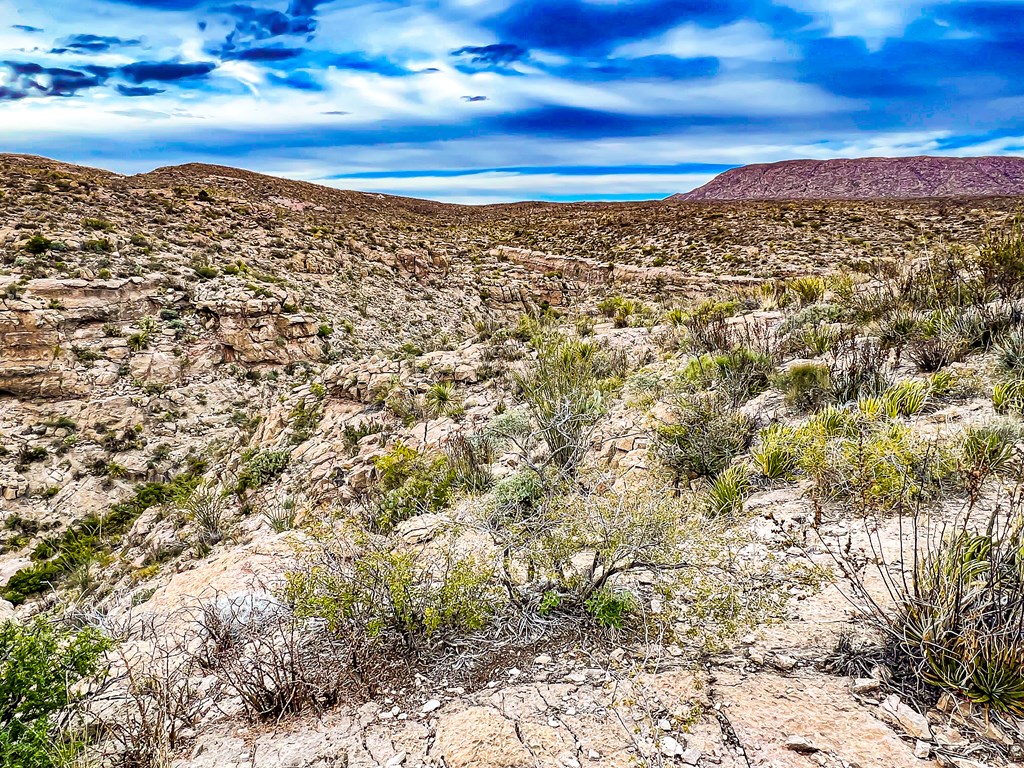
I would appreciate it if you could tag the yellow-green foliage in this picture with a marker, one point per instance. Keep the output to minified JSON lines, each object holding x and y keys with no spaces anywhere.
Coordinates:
{"x":728,"y":491}
{"x":409,"y":483}
{"x":905,"y":399}
{"x":776,"y":455}
{"x":381,"y":590}
{"x":865,"y":462}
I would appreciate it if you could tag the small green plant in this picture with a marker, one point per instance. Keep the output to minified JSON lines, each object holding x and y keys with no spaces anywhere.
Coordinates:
{"x":261,"y":469}
{"x":205,"y":271}
{"x":610,"y":608}
{"x":707,"y":434}
{"x":806,"y":385}
{"x":409,"y":483}
{"x":728,"y":491}
{"x":776,"y":456}
{"x":38,"y":244}
{"x":905,"y":399}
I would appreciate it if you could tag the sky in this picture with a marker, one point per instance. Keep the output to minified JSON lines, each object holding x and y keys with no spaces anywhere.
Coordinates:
{"x":481,"y":101}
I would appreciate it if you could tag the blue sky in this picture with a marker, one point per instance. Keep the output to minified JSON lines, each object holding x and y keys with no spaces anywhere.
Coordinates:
{"x":495,"y":100}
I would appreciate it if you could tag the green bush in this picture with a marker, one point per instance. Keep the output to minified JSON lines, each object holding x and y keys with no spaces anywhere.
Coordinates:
{"x":610,"y":608}
{"x":410,"y":483}
{"x":381,"y":592}
{"x":261,"y":469}
{"x":561,"y":391}
{"x":806,"y":385}
{"x":40,"y":665}
{"x":518,"y":493}
{"x":37,"y":244}
{"x":708,"y":433}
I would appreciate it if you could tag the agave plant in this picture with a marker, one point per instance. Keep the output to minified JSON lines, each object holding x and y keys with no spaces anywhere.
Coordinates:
{"x":962,"y":622}
{"x":728,"y":491}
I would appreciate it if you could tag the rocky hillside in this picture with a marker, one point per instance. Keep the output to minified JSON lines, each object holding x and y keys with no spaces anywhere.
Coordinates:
{"x":294,"y":477}
{"x":868,"y":178}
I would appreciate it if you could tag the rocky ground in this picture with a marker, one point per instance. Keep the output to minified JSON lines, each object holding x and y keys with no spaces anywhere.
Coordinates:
{"x":279,"y":339}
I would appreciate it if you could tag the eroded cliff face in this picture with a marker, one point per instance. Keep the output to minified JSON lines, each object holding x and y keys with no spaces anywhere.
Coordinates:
{"x":870,"y":178}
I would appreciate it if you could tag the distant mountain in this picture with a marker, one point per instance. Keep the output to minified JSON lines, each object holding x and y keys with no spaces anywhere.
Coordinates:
{"x":867,"y":178}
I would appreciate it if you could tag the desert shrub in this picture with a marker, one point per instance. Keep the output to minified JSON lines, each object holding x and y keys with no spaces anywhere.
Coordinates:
{"x":1000,"y":258}
{"x":743,"y":373}
{"x":776,"y":455}
{"x":707,"y":330}
{"x":805,"y":384}
{"x":205,"y":271}
{"x":899,"y":327}
{"x":304,"y":420}
{"x":409,"y":482}
{"x":859,"y":368}
{"x":865,"y":463}
{"x":277,"y":663}
{"x":517,"y":494}
{"x":470,"y":456}
{"x":728,"y":490}
{"x":707,"y":434}
{"x":441,"y":399}
{"x":260,"y":469}
{"x":38,"y":244}
{"x":560,"y":390}
{"x":375,"y":593}
{"x":986,"y":450}
{"x":934,"y":353}
{"x":41,"y":664}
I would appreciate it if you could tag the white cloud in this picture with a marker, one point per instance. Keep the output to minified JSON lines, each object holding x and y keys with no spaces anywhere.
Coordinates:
{"x":745,"y":40}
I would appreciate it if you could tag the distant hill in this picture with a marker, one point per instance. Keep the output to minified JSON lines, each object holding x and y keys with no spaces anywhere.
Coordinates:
{"x":867,"y":178}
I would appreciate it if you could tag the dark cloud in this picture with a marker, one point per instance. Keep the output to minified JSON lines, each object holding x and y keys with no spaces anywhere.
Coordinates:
{"x":474,"y":98}
{"x":577,"y":26}
{"x":26,"y":28}
{"x":360,"y":62}
{"x":93,"y":44}
{"x":489,"y":57}
{"x":165,"y":71}
{"x":336,"y":112}
{"x":300,"y":81}
{"x":253,"y":24}
{"x":138,"y":90}
{"x":265,"y":53}
{"x":31,"y":79}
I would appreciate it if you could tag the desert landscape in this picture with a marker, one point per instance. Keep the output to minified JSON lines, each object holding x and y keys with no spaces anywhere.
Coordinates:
{"x":295,"y":477}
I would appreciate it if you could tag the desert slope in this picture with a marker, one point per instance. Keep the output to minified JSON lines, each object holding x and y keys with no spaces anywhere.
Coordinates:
{"x":869,"y":178}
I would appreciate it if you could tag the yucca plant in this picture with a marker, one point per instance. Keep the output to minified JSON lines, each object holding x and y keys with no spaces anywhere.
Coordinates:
{"x":1011,"y":352}
{"x":776,"y":456}
{"x":1008,"y":396}
{"x":956,"y":623}
{"x":806,"y":290}
{"x":908,"y":398}
{"x":728,"y":491}
{"x":962,"y":623}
